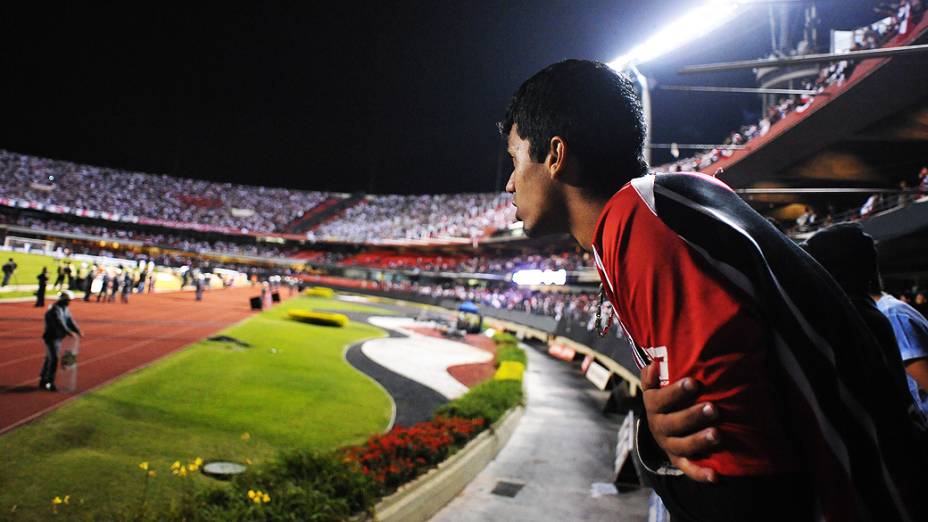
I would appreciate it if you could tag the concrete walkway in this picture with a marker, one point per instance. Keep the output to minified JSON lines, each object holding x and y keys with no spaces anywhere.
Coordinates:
{"x":562,"y":445}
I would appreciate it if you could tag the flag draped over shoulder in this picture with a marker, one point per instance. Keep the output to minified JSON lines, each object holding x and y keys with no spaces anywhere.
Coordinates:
{"x":847,"y":404}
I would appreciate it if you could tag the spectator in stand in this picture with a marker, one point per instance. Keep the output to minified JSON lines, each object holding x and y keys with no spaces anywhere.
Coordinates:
{"x":911,"y":329}
{"x":850,"y":256}
{"x":920,"y":302}
{"x":923,"y":181}
{"x":869,"y":206}
{"x":869,"y":37}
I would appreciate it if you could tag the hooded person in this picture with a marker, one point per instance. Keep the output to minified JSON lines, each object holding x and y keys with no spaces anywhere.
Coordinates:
{"x":58,"y":324}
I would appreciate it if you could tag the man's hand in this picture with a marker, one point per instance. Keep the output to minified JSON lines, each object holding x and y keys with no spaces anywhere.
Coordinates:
{"x":682,"y":429}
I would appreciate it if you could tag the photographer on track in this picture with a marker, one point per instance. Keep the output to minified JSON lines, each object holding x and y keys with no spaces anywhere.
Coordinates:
{"x":58,"y":325}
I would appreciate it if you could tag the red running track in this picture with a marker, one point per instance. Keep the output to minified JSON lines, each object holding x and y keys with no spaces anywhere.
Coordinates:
{"x":118,"y":338}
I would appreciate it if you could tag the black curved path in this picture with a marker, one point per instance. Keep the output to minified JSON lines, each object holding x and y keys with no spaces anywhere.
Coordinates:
{"x":415,"y":402}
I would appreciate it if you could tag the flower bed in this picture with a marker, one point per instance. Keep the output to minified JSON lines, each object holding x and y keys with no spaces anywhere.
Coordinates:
{"x":401,"y":455}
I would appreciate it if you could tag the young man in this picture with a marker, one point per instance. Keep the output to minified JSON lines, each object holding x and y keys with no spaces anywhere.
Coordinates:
{"x":717,"y":297}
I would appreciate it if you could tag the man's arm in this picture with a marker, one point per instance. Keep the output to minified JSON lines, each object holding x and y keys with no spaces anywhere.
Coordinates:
{"x":918,"y":369}
{"x":70,"y":325}
{"x":678,"y":426}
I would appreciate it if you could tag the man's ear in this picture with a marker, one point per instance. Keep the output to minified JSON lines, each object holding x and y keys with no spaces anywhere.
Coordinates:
{"x":557,"y":157}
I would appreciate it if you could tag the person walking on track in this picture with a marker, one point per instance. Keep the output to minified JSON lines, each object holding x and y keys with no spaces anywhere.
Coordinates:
{"x":58,"y":325}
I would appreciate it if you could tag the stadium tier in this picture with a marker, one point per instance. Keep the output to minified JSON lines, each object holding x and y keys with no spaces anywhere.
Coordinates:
{"x":901,"y":27}
{"x":66,"y":188}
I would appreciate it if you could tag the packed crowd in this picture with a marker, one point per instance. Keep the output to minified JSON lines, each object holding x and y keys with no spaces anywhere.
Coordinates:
{"x":577,"y":306}
{"x":394,"y":217}
{"x":158,"y":199}
{"x":152,"y":196}
{"x":176,"y":241}
{"x":569,"y":261}
{"x":904,"y":14}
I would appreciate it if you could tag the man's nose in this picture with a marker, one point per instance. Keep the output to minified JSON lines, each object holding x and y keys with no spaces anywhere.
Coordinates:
{"x":511,"y":184}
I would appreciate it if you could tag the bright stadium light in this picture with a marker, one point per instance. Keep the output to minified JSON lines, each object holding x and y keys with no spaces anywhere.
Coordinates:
{"x":694,"y":24}
{"x":539,"y":277}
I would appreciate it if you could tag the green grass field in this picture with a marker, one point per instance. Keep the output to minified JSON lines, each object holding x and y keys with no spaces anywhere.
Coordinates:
{"x":291,"y":389}
{"x":29,"y":266}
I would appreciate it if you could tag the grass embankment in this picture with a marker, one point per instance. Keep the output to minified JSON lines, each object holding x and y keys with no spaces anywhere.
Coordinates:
{"x":290,"y":389}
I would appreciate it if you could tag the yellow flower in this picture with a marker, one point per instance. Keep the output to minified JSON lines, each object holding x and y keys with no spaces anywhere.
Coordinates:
{"x":144,"y":465}
{"x":57,"y":500}
{"x":265,"y":498}
{"x":246,"y":436}
{"x":251,"y":494}
{"x":198,"y":461}
{"x":248,"y":461}
{"x":152,"y":474}
{"x":182,"y":472}
{"x":176,"y":465}
{"x":67,"y":498}
{"x":191,"y":467}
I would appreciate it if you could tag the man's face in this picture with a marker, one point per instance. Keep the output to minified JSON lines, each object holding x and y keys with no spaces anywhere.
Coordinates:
{"x":534,"y":193}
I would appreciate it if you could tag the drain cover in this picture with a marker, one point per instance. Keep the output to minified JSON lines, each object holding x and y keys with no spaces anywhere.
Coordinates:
{"x":222,"y":470}
{"x":507,"y":489}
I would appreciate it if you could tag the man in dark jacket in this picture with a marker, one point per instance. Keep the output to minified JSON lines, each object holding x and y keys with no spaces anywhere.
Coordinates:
{"x":58,"y":325}
{"x":8,"y":268}
{"x":40,"y":293}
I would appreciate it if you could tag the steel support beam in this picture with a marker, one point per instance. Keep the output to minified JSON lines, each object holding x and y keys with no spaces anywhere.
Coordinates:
{"x":887,"y":52}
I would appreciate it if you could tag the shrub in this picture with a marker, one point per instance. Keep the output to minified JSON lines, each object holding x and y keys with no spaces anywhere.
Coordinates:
{"x":319,"y":291}
{"x":505,"y":338}
{"x":510,"y":371}
{"x":297,"y":486}
{"x":506,"y":352}
{"x":488,"y":401}
{"x":321,"y":318}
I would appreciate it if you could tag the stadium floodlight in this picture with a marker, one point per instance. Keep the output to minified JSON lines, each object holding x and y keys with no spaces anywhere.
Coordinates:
{"x":539,"y":277}
{"x":694,"y":24}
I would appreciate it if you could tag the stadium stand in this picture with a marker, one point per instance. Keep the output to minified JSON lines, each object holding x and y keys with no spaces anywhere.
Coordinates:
{"x":831,"y":78}
{"x":119,"y":195}
{"x":149,"y":199}
{"x":393,"y":217}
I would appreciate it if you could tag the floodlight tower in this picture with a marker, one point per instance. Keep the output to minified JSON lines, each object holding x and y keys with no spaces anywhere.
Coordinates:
{"x":692,"y":25}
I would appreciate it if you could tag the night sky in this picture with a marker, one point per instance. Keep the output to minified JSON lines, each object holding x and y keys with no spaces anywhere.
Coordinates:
{"x":386,"y":97}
